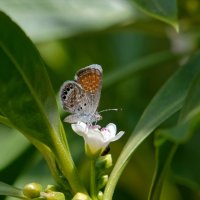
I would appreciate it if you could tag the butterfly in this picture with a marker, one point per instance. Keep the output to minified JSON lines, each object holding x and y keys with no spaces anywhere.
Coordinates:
{"x":80,"y":97}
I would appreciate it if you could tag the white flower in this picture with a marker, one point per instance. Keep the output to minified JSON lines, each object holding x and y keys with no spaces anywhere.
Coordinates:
{"x":97,"y":139}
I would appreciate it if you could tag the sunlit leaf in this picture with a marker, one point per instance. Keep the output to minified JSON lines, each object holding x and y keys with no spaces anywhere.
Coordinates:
{"x":57,"y":19}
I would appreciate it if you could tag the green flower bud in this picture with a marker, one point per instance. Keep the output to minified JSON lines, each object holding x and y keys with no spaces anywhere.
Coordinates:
{"x":50,"y":188}
{"x":32,"y":190}
{"x":81,"y":196}
{"x":100,"y":195}
{"x":102,"y":181}
{"x":51,"y":195}
{"x":104,"y":162}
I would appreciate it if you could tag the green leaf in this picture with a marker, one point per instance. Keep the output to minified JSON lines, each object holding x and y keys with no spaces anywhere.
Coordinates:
{"x":13,"y":143}
{"x":167,"y":140}
{"x":161,"y":9}
{"x":166,"y":143}
{"x":192,"y":103}
{"x":58,"y":19}
{"x":166,"y":102}
{"x":28,"y":103}
{"x":8,"y":190}
{"x":27,"y":98}
{"x":164,"y":153}
{"x":137,"y":65}
{"x":16,"y":168}
{"x":186,"y":165}
{"x":188,"y":154}
{"x":189,"y":121}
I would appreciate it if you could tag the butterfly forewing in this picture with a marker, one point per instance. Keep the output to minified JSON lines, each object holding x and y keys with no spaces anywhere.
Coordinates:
{"x":90,"y":78}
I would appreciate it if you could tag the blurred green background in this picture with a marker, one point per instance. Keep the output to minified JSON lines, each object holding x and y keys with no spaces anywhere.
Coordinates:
{"x":138,"y":54}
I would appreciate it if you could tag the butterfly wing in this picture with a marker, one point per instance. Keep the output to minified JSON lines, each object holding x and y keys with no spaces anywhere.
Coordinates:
{"x":81,"y":96}
{"x":74,"y":101}
{"x":71,"y":95}
{"x":90,"y":79}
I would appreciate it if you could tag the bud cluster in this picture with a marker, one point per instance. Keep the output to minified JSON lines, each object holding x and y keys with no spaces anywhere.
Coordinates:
{"x":35,"y":191}
{"x":102,"y":164}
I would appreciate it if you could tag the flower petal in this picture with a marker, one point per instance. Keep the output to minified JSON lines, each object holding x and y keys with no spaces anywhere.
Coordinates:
{"x":80,"y":128}
{"x":118,"y":136}
{"x":112,"y":128}
{"x":94,"y":143}
{"x":95,"y":139}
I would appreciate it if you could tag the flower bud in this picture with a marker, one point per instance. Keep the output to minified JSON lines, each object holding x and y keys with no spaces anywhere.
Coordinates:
{"x":104,"y":162}
{"x":100,"y":195}
{"x":81,"y":196}
{"x":53,"y":195}
{"x":32,"y":190}
{"x":50,"y":188}
{"x":102,"y":182}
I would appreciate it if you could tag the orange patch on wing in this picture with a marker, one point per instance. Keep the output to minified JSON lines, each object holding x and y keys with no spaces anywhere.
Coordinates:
{"x":90,"y":80}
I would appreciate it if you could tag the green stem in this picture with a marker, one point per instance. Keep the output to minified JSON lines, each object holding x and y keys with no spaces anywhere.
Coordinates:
{"x":93,"y":186}
{"x":66,"y":164}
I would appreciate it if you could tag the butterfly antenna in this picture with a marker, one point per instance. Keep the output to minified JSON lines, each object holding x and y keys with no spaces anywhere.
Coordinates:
{"x":111,"y":109}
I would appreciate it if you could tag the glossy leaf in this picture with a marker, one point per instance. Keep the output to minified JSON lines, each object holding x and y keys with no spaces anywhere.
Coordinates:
{"x":27,"y":98}
{"x":166,"y":102}
{"x":160,"y":9}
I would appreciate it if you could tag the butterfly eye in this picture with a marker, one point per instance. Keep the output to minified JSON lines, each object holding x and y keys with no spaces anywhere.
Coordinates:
{"x":85,"y":104}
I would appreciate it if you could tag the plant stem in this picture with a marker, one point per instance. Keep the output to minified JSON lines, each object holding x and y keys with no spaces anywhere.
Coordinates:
{"x":66,"y":163}
{"x":93,"y":186}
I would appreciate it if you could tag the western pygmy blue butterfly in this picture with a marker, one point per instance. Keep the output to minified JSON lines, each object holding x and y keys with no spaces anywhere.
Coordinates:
{"x":81,"y":96}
